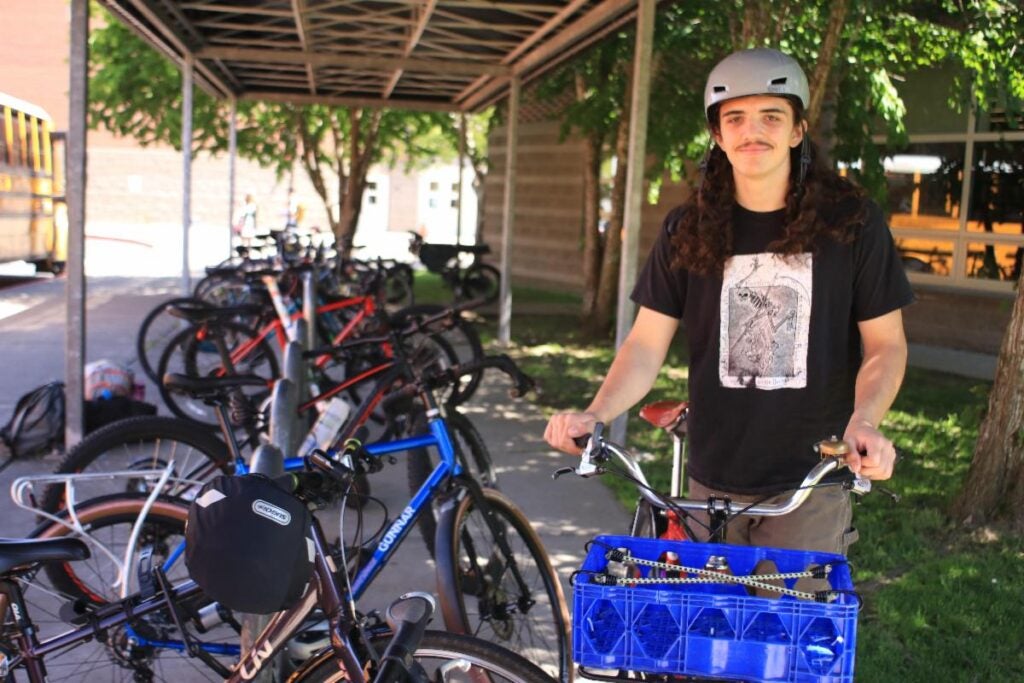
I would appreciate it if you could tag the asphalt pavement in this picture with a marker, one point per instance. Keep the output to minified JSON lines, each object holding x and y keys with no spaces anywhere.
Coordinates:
{"x":566,"y":513}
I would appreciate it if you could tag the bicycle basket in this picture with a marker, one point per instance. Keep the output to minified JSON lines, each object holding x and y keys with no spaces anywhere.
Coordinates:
{"x":717,"y":629}
{"x":436,"y":256}
{"x":249,"y":544}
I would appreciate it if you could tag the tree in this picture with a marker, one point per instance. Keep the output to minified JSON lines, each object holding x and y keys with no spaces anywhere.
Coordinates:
{"x":133,"y":91}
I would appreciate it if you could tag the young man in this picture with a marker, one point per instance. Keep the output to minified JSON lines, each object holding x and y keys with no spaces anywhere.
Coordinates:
{"x":789,"y":288}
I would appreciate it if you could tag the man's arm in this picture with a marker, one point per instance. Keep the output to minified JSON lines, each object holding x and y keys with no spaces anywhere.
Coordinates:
{"x":629,"y":378}
{"x":878,"y":381}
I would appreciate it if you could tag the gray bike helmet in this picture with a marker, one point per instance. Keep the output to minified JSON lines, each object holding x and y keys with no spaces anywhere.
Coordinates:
{"x":761,"y":71}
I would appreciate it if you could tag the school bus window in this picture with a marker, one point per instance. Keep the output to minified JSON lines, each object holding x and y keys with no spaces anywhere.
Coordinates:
{"x":35,"y":155}
{"x":4,"y":151}
{"x":22,"y":139}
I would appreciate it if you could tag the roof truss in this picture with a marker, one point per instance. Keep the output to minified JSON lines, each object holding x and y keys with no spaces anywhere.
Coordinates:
{"x":430,"y":54}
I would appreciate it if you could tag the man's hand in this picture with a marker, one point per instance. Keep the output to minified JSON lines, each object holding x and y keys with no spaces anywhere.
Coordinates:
{"x":873,"y":455}
{"x":563,"y":427}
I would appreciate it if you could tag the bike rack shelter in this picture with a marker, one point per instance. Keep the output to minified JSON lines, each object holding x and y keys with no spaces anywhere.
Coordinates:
{"x":438,"y":55}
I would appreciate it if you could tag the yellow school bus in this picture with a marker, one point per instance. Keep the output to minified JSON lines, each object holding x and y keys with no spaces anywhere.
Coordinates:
{"x":33,"y":216}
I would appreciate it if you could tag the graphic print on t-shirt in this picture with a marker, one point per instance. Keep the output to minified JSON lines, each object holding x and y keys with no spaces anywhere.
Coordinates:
{"x":766,"y":315}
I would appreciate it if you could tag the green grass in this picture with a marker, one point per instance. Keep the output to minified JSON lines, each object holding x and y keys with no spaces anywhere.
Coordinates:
{"x":940,"y":603}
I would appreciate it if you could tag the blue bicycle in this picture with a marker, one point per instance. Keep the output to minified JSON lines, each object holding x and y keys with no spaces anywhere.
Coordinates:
{"x":494,"y":578}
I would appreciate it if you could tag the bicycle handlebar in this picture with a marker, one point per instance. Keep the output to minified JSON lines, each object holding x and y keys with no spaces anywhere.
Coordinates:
{"x":598,"y":450}
{"x":435,"y":380}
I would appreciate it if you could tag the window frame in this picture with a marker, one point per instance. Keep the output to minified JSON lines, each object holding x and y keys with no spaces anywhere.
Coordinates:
{"x":962,"y":238}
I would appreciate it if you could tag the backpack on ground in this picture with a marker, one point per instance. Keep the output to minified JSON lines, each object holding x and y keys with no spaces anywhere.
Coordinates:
{"x":38,"y":421}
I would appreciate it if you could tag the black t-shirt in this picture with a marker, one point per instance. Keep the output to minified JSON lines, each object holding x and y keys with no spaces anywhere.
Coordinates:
{"x":774,"y":344}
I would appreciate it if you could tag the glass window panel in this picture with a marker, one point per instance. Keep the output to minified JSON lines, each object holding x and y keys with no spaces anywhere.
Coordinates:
{"x":1003,"y":114}
{"x":931,"y":257}
{"x":997,"y":188}
{"x":994,"y":261}
{"x":924,"y":185}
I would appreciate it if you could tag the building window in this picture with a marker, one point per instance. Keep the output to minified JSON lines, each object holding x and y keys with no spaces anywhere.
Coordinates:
{"x":455,"y":203}
{"x":979,"y":246}
{"x":434,"y":187}
{"x":432,"y":202}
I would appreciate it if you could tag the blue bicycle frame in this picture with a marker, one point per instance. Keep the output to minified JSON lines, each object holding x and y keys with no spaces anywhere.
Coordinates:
{"x":449,"y":465}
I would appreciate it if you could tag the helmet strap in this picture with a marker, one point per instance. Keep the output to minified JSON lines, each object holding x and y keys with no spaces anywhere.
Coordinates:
{"x":805,"y":159}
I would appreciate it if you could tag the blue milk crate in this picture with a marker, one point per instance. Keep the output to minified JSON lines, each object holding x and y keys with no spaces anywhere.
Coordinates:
{"x":714,"y":629}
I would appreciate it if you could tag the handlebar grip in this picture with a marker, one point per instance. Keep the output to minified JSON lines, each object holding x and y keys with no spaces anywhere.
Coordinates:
{"x":581,"y":441}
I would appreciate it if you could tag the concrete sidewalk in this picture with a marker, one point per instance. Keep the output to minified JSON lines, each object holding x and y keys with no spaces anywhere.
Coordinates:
{"x":566,"y":513}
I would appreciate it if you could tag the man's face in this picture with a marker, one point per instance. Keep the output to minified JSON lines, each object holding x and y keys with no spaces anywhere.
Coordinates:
{"x":756,"y":133}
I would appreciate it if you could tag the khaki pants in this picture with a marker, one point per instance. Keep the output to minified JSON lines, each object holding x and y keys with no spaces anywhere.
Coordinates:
{"x":821,"y":524}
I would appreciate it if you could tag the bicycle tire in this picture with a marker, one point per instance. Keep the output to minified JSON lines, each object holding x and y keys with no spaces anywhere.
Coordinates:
{"x":260,"y":360}
{"x":114,"y":657}
{"x":153,"y":336}
{"x":472,"y":453}
{"x":99,"y":513}
{"x":463,"y":338}
{"x":473,"y":660}
{"x":146,"y":442}
{"x":481,"y":281}
{"x":478,"y":595}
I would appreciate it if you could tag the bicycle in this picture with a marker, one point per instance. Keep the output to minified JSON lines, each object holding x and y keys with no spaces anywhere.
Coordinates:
{"x":361,"y":649}
{"x":152,"y":441}
{"x":212,"y":329}
{"x":494,"y":578}
{"x":479,"y":280}
{"x":696,"y":610}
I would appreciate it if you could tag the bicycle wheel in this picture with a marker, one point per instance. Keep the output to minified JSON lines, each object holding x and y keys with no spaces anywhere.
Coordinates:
{"x":472,"y":454}
{"x":463,"y":339}
{"x":481,"y":281}
{"x":155,"y":333}
{"x":139,"y":443}
{"x":122,"y":655}
{"x":190,"y":355}
{"x":514,"y":600}
{"x":444,"y":657}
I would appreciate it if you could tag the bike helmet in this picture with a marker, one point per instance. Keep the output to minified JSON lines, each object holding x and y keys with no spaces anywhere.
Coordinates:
{"x":760,"y":71}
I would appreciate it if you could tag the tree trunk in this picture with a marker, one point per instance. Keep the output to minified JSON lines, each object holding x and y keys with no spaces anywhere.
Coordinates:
{"x":825,"y":129}
{"x":608,"y":289}
{"x":591,"y":223}
{"x":994,"y":488}
{"x":592,"y":148}
{"x":826,"y":55}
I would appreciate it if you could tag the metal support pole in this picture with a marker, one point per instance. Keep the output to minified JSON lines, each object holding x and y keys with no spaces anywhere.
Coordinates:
{"x":458,"y":197}
{"x":508,"y":216}
{"x":308,"y":308}
{"x":75,"y":182}
{"x":632,"y":221}
{"x":186,"y":172}
{"x":232,"y":158}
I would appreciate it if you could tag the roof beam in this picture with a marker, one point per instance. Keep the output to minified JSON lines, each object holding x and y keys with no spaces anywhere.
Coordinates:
{"x":601,"y":16}
{"x":299,"y":8}
{"x":235,"y":9}
{"x":539,"y":34}
{"x":374,"y":63}
{"x":426,"y":11}
{"x":373,"y":102}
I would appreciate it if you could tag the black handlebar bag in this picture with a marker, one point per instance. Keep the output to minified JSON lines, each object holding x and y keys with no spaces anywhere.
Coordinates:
{"x":249,"y":544}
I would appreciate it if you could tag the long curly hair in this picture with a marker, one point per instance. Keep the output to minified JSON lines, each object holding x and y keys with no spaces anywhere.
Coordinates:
{"x":824,"y":205}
